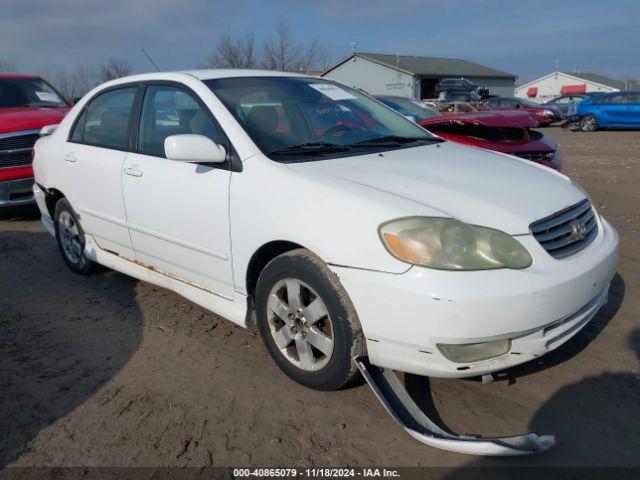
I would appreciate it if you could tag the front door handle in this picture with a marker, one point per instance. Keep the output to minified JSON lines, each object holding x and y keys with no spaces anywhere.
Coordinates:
{"x":134,"y":172}
{"x":70,"y":157}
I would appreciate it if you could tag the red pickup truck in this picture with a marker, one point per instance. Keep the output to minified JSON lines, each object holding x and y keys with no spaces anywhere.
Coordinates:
{"x":27,"y":103}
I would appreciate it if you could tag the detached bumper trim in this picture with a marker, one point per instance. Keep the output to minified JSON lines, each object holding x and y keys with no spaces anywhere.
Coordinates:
{"x":395,"y":399}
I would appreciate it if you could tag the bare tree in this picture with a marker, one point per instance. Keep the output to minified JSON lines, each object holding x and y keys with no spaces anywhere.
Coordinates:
{"x":311,"y":56}
{"x":234,"y":52}
{"x":76,"y":82}
{"x":114,"y":68}
{"x":282,"y":52}
{"x":7,"y":66}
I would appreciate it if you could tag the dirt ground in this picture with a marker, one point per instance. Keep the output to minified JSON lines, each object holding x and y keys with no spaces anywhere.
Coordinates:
{"x":109,"y":371}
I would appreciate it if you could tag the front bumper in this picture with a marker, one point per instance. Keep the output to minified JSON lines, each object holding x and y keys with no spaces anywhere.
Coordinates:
{"x":405,"y":316}
{"x":14,"y":193}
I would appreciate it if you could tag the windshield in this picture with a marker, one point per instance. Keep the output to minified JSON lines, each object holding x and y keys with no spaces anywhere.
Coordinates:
{"x":409,"y":108}
{"x":28,"y":92}
{"x":300,"y":118}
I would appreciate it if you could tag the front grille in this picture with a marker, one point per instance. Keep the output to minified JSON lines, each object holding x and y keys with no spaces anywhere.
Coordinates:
{"x":536,"y":156}
{"x":15,"y":147}
{"x":12,"y":159}
{"x":568,"y":231}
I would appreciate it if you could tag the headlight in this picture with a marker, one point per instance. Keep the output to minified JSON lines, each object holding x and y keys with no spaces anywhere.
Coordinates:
{"x":448,"y":244}
{"x":551,"y":113}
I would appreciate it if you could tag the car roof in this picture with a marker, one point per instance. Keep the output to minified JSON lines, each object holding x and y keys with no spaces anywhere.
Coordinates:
{"x":207,"y":74}
{"x":213,"y":73}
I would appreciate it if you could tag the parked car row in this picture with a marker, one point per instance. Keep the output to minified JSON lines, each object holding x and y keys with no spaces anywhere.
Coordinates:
{"x":498,"y":130}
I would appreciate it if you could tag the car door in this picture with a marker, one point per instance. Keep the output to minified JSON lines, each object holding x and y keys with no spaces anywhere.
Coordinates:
{"x":635,"y":109}
{"x":611,"y":110}
{"x":177,"y":212}
{"x":563,"y":104}
{"x":630,"y":114}
{"x":94,"y":155}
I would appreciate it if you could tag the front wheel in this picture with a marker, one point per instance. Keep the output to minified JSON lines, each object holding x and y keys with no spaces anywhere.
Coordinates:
{"x":589,"y":123}
{"x":70,"y":238}
{"x":307,"y":322}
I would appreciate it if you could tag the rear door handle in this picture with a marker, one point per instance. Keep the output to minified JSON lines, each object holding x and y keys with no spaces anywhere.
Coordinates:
{"x":134,"y":172}
{"x":70,"y":157}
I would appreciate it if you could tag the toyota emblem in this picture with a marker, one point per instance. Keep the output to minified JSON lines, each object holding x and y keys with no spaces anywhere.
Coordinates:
{"x":578,"y":230}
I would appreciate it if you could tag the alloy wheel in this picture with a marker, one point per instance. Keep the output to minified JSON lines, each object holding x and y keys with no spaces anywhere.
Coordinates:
{"x":589,"y":123}
{"x":300,"y":324}
{"x":70,"y":237}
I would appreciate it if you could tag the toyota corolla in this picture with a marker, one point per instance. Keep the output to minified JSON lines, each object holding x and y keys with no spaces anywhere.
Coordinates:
{"x":339,"y":226}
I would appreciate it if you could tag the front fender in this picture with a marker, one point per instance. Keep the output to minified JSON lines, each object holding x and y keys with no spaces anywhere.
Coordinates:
{"x":336,"y":219}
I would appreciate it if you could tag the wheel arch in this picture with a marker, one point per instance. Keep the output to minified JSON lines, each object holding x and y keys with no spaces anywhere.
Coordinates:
{"x":261,"y":257}
{"x":51,"y":197}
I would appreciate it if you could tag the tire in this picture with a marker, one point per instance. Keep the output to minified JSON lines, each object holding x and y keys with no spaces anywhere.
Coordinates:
{"x":589,"y":123}
{"x":70,"y":238}
{"x":299,"y":331}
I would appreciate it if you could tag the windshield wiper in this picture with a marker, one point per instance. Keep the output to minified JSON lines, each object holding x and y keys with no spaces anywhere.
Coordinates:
{"x":310,"y":148}
{"x":395,"y":139}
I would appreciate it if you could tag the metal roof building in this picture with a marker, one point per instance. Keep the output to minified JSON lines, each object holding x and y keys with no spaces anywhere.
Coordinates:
{"x":565,"y":83}
{"x":414,"y":76}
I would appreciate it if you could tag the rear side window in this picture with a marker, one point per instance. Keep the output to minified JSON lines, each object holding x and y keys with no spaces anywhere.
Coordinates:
{"x":105,"y":121}
{"x":633,"y":98}
{"x":617,"y":99}
{"x":168,"y":110}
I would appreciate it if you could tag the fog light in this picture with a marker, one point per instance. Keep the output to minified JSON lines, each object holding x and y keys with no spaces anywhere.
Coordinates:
{"x":474,"y":352}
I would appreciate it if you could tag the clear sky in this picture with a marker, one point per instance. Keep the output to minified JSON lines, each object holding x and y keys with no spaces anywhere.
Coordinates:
{"x":524,"y":37}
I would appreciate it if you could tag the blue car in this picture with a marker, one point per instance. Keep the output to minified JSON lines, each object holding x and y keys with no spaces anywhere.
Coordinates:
{"x":618,"y":110}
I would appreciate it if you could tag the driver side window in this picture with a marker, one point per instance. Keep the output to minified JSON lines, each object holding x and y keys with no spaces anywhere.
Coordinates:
{"x":168,"y":110}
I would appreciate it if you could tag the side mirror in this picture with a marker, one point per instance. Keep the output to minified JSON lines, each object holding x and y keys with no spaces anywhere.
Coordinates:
{"x":410,"y":117}
{"x":194,"y":149}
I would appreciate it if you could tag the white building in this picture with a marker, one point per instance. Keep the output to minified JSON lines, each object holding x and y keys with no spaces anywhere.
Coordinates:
{"x":563,"y":83}
{"x":413,"y":76}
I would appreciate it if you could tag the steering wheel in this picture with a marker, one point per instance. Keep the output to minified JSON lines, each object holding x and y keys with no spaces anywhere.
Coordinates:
{"x":336,"y":129}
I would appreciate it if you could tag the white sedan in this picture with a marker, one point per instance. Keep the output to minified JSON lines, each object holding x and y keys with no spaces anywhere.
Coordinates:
{"x":339,"y":226}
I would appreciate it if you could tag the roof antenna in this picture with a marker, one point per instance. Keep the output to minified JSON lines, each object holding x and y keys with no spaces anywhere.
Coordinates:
{"x":149,"y":58}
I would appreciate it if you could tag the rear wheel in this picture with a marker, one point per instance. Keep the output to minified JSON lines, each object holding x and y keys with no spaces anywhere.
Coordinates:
{"x":70,"y":238}
{"x":589,"y":123}
{"x":307,"y":321}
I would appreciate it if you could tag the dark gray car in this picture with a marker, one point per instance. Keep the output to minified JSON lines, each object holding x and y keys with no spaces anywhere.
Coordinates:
{"x":566,"y":104}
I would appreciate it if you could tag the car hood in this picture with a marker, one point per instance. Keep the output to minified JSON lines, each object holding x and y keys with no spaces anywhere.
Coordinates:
{"x":489,"y":118}
{"x":471,"y":184}
{"x":29,"y":118}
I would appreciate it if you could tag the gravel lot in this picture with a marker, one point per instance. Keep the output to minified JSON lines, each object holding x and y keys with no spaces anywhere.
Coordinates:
{"x":109,"y":371}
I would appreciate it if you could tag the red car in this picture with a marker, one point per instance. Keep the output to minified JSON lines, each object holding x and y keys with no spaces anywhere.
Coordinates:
{"x":502,"y":131}
{"x":545,"y":114}
{"x":27,"y":103}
